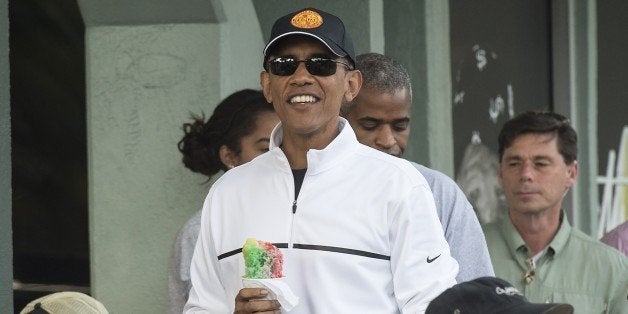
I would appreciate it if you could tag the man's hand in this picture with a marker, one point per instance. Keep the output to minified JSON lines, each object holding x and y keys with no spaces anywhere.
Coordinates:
{"x":247,"y":301}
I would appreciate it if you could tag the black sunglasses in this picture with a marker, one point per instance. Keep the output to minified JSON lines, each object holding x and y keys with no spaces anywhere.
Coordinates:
{"x":284,"y":66}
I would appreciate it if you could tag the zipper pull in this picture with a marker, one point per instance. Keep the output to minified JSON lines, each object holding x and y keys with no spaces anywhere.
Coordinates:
{"x":294,"y":207}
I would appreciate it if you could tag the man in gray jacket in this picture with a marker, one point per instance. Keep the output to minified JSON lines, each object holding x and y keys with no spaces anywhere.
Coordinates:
{"x":380,"y":117}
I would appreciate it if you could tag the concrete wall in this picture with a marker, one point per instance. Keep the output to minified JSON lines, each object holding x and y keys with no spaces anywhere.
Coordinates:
{"x":142,"y":83}
{"x":417,"y":35}
{"x":6,"y":248}
{"x":574,"y":56}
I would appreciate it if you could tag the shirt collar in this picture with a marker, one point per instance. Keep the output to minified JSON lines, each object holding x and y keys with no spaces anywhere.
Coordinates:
{"x":510,"y":234}
{"x":320,"y":159}
{"x":560,"y":239}
{"x":515,"y":242}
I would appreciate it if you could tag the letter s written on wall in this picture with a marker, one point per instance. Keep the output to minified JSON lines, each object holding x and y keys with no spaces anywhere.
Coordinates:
{"x":496,"y":105}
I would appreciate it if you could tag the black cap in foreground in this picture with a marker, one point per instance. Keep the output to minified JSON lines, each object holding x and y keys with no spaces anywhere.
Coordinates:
{"x":490,"y":295}
{"x":323,"y":26}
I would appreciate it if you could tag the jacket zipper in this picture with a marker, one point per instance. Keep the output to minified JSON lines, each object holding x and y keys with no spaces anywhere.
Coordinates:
{"x":294,"y":210}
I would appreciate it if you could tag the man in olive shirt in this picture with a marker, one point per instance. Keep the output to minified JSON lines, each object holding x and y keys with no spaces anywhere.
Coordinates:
{"x":534,"y":247}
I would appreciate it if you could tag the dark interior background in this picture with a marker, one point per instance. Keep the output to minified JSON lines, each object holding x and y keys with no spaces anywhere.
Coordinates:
{"x":515,"y":39}
{"x":49,"y":167}
{"x":612,"y":43}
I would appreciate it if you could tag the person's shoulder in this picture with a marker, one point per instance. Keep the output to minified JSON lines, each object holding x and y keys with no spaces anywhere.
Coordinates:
{"x":617,"y":233}
{"x":435,"y":177}
{"x":491,"y":228}
{"x":390,"y":164}
{"x":592,"y":246}
{"x":366,"y":151}
{"x":372,"y":154}
{"x":194,"y":221}
{"x":427,"y":171}
{"x":262,"y":164}
{"x":191,"y":228}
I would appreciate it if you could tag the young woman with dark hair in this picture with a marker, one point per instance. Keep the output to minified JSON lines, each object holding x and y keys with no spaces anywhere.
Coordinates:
{"x":237,"y":131}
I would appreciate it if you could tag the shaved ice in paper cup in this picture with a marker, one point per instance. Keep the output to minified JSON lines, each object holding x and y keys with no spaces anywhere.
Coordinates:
{"x":264,"y":269}
{"x":262,"y":260}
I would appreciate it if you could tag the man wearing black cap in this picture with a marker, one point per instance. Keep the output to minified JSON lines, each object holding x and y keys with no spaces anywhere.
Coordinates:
{"x":357,"y":227}
{"x":490,"y":295}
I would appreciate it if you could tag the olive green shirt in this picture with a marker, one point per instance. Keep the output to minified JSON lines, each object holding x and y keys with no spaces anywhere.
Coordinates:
{"x":574,"y":268}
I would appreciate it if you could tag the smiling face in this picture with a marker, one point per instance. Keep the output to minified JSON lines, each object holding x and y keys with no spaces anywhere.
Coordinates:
{"x":308,"y":105}
{"x":382,"y":120}
{"x":534,"y":175}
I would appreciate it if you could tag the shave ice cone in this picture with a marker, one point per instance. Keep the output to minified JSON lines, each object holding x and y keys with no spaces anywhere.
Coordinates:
{"x":262,"y":260}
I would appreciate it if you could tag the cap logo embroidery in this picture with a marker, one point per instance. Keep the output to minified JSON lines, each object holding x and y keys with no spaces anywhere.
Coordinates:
{"x":307,"y":19}
{"x":508,"y":291}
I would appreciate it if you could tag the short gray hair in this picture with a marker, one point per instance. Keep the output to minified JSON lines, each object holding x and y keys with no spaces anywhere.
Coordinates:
{"x":382,"y":74}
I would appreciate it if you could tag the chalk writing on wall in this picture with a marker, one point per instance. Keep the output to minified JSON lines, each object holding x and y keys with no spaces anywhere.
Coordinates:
{"x":501,"y":66}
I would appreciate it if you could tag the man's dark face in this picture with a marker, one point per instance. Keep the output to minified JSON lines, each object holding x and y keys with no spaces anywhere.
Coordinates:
{"x":308,"y":105}
{"x":382,"y":120}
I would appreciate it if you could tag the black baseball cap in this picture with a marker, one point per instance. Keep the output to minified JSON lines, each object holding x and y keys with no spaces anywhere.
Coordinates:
{"x":323,"y":26}
{"x":490,"y":295}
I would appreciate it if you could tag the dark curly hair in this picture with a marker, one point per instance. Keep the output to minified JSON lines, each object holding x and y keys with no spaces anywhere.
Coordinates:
{"x":234,"y":118}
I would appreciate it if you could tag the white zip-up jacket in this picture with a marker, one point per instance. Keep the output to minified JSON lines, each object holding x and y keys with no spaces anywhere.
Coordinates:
{"x":363,"y":235}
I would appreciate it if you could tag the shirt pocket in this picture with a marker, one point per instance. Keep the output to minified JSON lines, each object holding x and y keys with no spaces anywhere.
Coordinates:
{"x":582,"y":303}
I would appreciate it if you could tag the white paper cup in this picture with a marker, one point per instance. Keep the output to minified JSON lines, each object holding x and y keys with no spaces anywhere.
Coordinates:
{"x":259,"y":283}
{"x":278,"y":290}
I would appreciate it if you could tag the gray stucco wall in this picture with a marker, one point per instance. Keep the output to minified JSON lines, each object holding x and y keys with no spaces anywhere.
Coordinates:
{"x":6,"y":248}
{"x":142,"y":83}
{"x":417,"y":35}
{"x":575,"y":95}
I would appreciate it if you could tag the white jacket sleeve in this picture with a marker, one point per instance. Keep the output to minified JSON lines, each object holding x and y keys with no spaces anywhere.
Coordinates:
{"x":207,"y":294}
{"x":421,"y":263}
